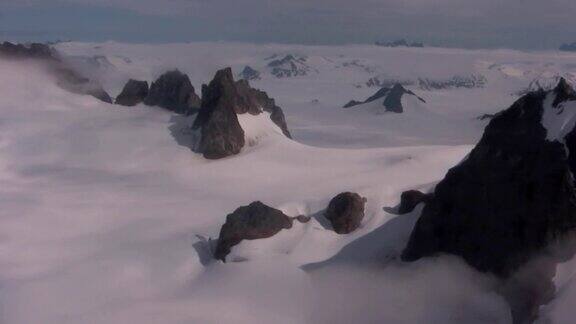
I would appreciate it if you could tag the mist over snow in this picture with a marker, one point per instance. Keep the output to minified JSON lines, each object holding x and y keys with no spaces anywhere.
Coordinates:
{"x":106,"y":215}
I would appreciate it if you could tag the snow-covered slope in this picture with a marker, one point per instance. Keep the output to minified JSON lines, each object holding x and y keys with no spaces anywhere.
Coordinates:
{"x":105,"y":218}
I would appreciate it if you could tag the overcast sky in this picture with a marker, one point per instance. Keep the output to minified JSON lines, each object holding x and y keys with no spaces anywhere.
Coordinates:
{"x":459,"y":23}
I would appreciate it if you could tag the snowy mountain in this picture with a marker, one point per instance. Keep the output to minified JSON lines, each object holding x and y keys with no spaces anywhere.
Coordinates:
{"x":108,"y":216}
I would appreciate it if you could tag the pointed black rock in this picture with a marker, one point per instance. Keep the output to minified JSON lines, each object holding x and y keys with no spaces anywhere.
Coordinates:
{"x":173,"y":91}
{"x":391,"y":98}
{"x":134,"y":92}
{"x":255,"y":221}
{"x":248,"y":73}
{"x":221,"y":134}
{"x":410,"y":199}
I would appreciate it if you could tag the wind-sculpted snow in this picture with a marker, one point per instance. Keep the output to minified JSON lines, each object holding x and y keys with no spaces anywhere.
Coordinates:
{"x":105,"y":218}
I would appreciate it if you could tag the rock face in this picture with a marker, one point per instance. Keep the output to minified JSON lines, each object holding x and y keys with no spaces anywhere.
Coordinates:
{"x":173,"y":91}
{"x":289,"y":66}
{"x":391,"y":98}
{"x":399,"y":43}
{"x":34,"y":50}
{"x":513,"y":196}
{"x":255,"y":221}
{"x":223,"y":99}
{"x":410,"y":199}
{"x":134,"y":92}
{"x":249,"y":74}
{"x":345,"y":212}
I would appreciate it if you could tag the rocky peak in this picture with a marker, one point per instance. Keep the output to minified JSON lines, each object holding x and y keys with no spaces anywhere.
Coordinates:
{"x":223,"y":99}
{"x":289,"y":66}
{"x":248,"y":73}
{"x":564,"y":92}
{"x":173,"y":91}
{"x":133,"y":93}
{"x":391,"y":98}
{"x":511,"y":198}
{"x":33,"y":50}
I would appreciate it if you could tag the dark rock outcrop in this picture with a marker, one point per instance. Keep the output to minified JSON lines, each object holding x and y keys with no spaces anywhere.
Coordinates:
{"x":345,"y":212}
{"x":568,"y":47}
{"x":173,"y":91}
{"x":248,"y":73}
{"x":255,"y":221}
{"x":289,"y":66}
{"x":486,"y":117}
{"x":29,"y":51}
{"x":391,"y":98}
{"x":399,"y":43}
{"x":221,"y":134}
{"x":220,"y":130}
{"x":410,"y":199}
{"x":510,"y":199}
{"x":134,"y":92}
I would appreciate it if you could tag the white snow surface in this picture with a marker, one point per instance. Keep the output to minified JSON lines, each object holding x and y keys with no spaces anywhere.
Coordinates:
{"x":105,"y":218}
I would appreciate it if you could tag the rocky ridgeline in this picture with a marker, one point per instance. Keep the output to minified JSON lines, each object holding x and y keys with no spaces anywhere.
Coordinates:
{"x":223,"y":99}
{"x":172,"y":91}
{"x":66,"y":77}
{"x":399,"y":43}
{"x":458,"y":81}
{"x":510,"y":200}
{"x":391,"y":98}
{"x":289,"y":66}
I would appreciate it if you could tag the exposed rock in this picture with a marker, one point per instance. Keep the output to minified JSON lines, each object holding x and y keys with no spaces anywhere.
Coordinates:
{"x":458,"y":81}
{"x":399,"y":43}
{"x":134,"y":92}
{"x":391,"y":98}
{"x":29,"y":51}
{"x":410,"y":199}
{"x":352,"y":103}
{"x":486,"y":116}
{"x":255,"y":221}
{"x":512,"y":197}
{"x":221,"y":134}
{"x":568,"y":47}
{"x":173,"y":91}
{"x":249,"y":74}
{"x":302,"y":219}
{"x":289,"y":66}
{"x":345,"y":212}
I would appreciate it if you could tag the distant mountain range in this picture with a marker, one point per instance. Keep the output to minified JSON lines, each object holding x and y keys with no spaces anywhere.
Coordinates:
{"x":568,"y":47}
{"x":399,"y":43}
